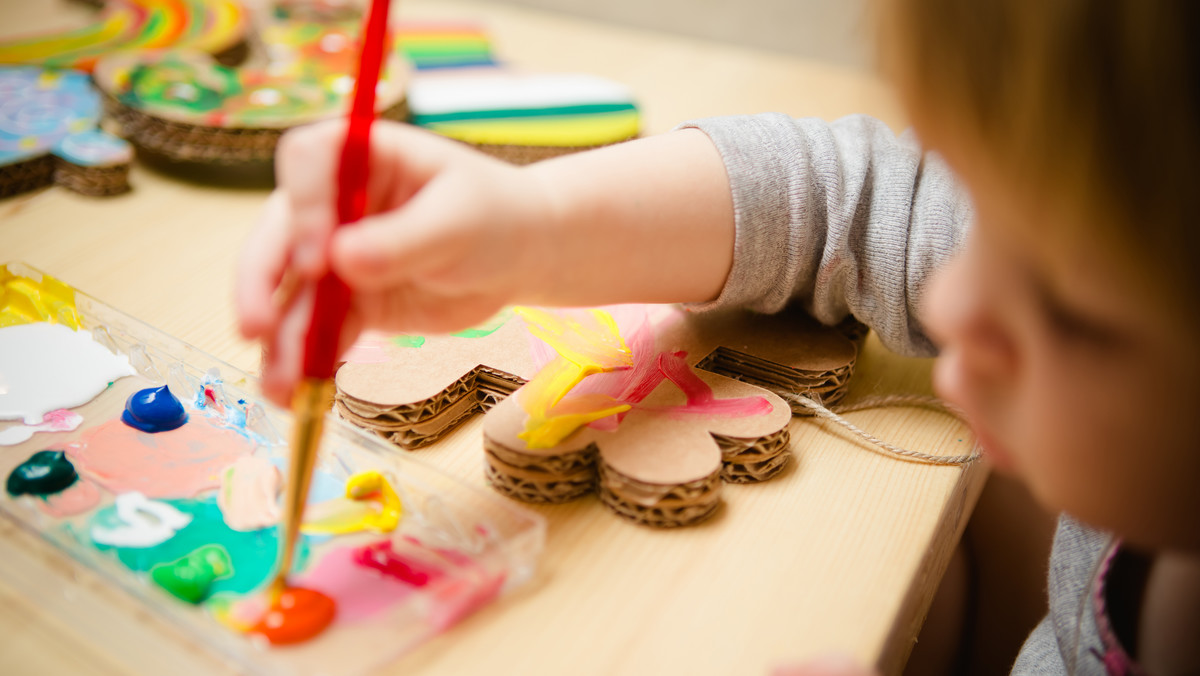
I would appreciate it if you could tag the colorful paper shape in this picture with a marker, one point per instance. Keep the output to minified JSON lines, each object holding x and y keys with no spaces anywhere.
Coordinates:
{"x":48,"y":134}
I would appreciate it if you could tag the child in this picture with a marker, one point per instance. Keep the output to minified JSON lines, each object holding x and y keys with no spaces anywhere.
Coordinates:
{"x":1065,"y":319}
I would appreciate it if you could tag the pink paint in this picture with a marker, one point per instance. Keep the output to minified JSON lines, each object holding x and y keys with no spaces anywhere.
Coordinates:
{"x":459,"y":597}
{"x":367,"y":352}
{"x":175,"y":464}
{"x":61,"y":420}
{"x":359,"y":591}
{"x":368,"y":580}
{"x":417,"y":571}
{"x":81,"y":497}
{"x":700,"y":400}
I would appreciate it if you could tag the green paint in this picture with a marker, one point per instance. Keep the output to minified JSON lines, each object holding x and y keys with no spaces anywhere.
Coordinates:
{"x":44,"y":473}
{"x":190,"y":578}
{"x":251,"y":554}
{"x":408,"y":341}
{"x":481,"y":331}
{"x":487,"y":328}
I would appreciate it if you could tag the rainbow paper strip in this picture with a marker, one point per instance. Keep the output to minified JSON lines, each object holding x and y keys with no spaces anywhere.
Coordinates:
{"x":211,"y":26}
{"x":436,"y":46}
{"x":506,"y":108}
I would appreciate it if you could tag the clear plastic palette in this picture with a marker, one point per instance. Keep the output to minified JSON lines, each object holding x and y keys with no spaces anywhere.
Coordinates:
{"x":54,"y":565}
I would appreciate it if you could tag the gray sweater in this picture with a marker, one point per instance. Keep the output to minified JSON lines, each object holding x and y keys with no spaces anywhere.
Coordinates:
{"x":848,"y":218}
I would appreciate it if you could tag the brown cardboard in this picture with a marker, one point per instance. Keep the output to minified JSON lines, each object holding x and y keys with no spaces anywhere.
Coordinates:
{"x":657,"y":467}
{"x":422,"y":393}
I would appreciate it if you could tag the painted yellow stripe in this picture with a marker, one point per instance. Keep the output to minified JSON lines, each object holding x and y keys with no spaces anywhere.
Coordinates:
{"x":569,"y":131}
{"x":39,"y":48}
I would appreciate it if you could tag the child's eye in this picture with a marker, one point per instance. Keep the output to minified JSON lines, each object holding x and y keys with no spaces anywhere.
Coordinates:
{"x":1077,"y":327}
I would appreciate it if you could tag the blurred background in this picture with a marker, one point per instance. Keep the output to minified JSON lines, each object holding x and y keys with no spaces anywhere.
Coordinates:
{"x":828,"y":30}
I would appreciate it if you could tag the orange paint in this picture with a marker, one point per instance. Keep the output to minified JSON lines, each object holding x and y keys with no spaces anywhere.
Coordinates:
{"x":299,"y":615}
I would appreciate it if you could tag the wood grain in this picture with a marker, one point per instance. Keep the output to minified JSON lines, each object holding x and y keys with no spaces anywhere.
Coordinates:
{"x":841,"y":552}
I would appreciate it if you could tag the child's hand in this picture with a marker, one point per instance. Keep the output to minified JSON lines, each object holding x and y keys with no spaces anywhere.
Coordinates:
{"x":454,"y":235}
{"x":446,"y":245}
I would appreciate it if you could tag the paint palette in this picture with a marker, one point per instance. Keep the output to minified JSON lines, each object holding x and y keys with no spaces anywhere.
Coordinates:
{"x":162,"y":539}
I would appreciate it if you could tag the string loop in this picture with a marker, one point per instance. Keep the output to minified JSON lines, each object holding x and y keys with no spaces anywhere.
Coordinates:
{"x":879,"y":445}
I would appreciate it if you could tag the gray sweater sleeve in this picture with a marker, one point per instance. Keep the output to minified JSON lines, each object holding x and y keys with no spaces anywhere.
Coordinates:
{"x":844,"y":217}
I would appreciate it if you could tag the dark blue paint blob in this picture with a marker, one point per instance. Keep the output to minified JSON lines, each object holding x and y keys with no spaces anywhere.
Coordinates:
{"x":154,"y":409}
{"x":44,"y":473}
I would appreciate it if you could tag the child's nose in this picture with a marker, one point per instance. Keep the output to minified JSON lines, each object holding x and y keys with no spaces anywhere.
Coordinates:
{"x":958,"y":314}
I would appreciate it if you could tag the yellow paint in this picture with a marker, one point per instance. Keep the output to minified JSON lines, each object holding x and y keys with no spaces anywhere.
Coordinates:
{"x":371,"y":504}
{"x":584,"y":350}
{"x":23,"y":300}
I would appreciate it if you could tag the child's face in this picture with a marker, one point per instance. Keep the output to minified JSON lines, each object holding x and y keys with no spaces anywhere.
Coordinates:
{"x":1071,"y":371}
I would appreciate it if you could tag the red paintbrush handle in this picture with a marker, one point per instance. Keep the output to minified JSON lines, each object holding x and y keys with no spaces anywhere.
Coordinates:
{"x":332,"y":298}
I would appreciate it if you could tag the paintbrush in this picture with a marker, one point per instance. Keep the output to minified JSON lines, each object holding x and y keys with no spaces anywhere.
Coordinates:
{"x":331,"y":297}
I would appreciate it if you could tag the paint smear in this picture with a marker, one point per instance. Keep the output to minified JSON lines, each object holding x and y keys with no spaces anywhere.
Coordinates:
{"x":367,"y":351}
{"x":360,"y":591}
{"x":175,"y":464}
{"x":81,"y":497}
{"x":700,"y":399}
{"x":45,"y":367}
{"x":586,"y":345}
{"x":370,"y":504}
{"x":140,"y":523}
{"x":252,"y":554}
{"x":23,"y":300}
{"x":61,"y":420}
{"x":191,"y":577}
{"x":249,"y":495}
{"x":370,"y":579}
{"x":299,"y":615}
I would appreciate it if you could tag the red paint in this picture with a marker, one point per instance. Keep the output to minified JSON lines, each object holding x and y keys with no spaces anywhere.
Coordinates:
{"x":299,"y":615}
{"x":382,"y":556}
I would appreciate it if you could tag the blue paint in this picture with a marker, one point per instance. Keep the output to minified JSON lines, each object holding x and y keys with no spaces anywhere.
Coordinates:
{"x":154,"y":409}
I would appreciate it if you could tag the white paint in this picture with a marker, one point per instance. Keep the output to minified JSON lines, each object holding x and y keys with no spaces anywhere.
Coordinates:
{"x":449,"y":93}
{"x":145,"y":523}
{"x":48,"y":366}
{"x":61,"y":420}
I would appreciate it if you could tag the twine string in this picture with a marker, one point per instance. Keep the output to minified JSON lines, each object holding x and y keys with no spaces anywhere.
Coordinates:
{"x":877,"y":444}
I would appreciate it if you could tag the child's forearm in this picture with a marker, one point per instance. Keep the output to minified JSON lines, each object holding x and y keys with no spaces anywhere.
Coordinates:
{"x":646,"y":221}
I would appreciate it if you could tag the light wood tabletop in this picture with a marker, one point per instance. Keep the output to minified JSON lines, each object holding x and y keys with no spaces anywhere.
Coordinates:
{"x":842,"y":552}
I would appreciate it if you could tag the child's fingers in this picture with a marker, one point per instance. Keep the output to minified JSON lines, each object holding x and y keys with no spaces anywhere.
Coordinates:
{"x":260,"y":269}
{"x":306,"y":169}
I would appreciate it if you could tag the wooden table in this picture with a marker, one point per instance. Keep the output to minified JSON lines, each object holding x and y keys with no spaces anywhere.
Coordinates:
{"x":841,"y":552}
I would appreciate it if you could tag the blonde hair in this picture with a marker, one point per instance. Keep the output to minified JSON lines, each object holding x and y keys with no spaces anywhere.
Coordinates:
{"x":1093,"y":104}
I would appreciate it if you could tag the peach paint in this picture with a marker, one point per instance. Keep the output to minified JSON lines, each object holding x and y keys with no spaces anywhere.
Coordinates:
{"x":176,"y":464}
{"x":249,"y":495}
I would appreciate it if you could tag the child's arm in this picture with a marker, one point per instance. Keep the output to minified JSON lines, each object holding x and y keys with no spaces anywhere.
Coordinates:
{"x":844,"y":217}
{"x":754,"y":212}
{"x":457,"y":235}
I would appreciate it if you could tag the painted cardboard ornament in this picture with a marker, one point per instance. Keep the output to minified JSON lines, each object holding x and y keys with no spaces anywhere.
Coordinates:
{"x":413,"y":390}
{"x":49,"y":135}
{"x":184,"y":106}
{"x":216,"y":27}
{"x":661,"y":459}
